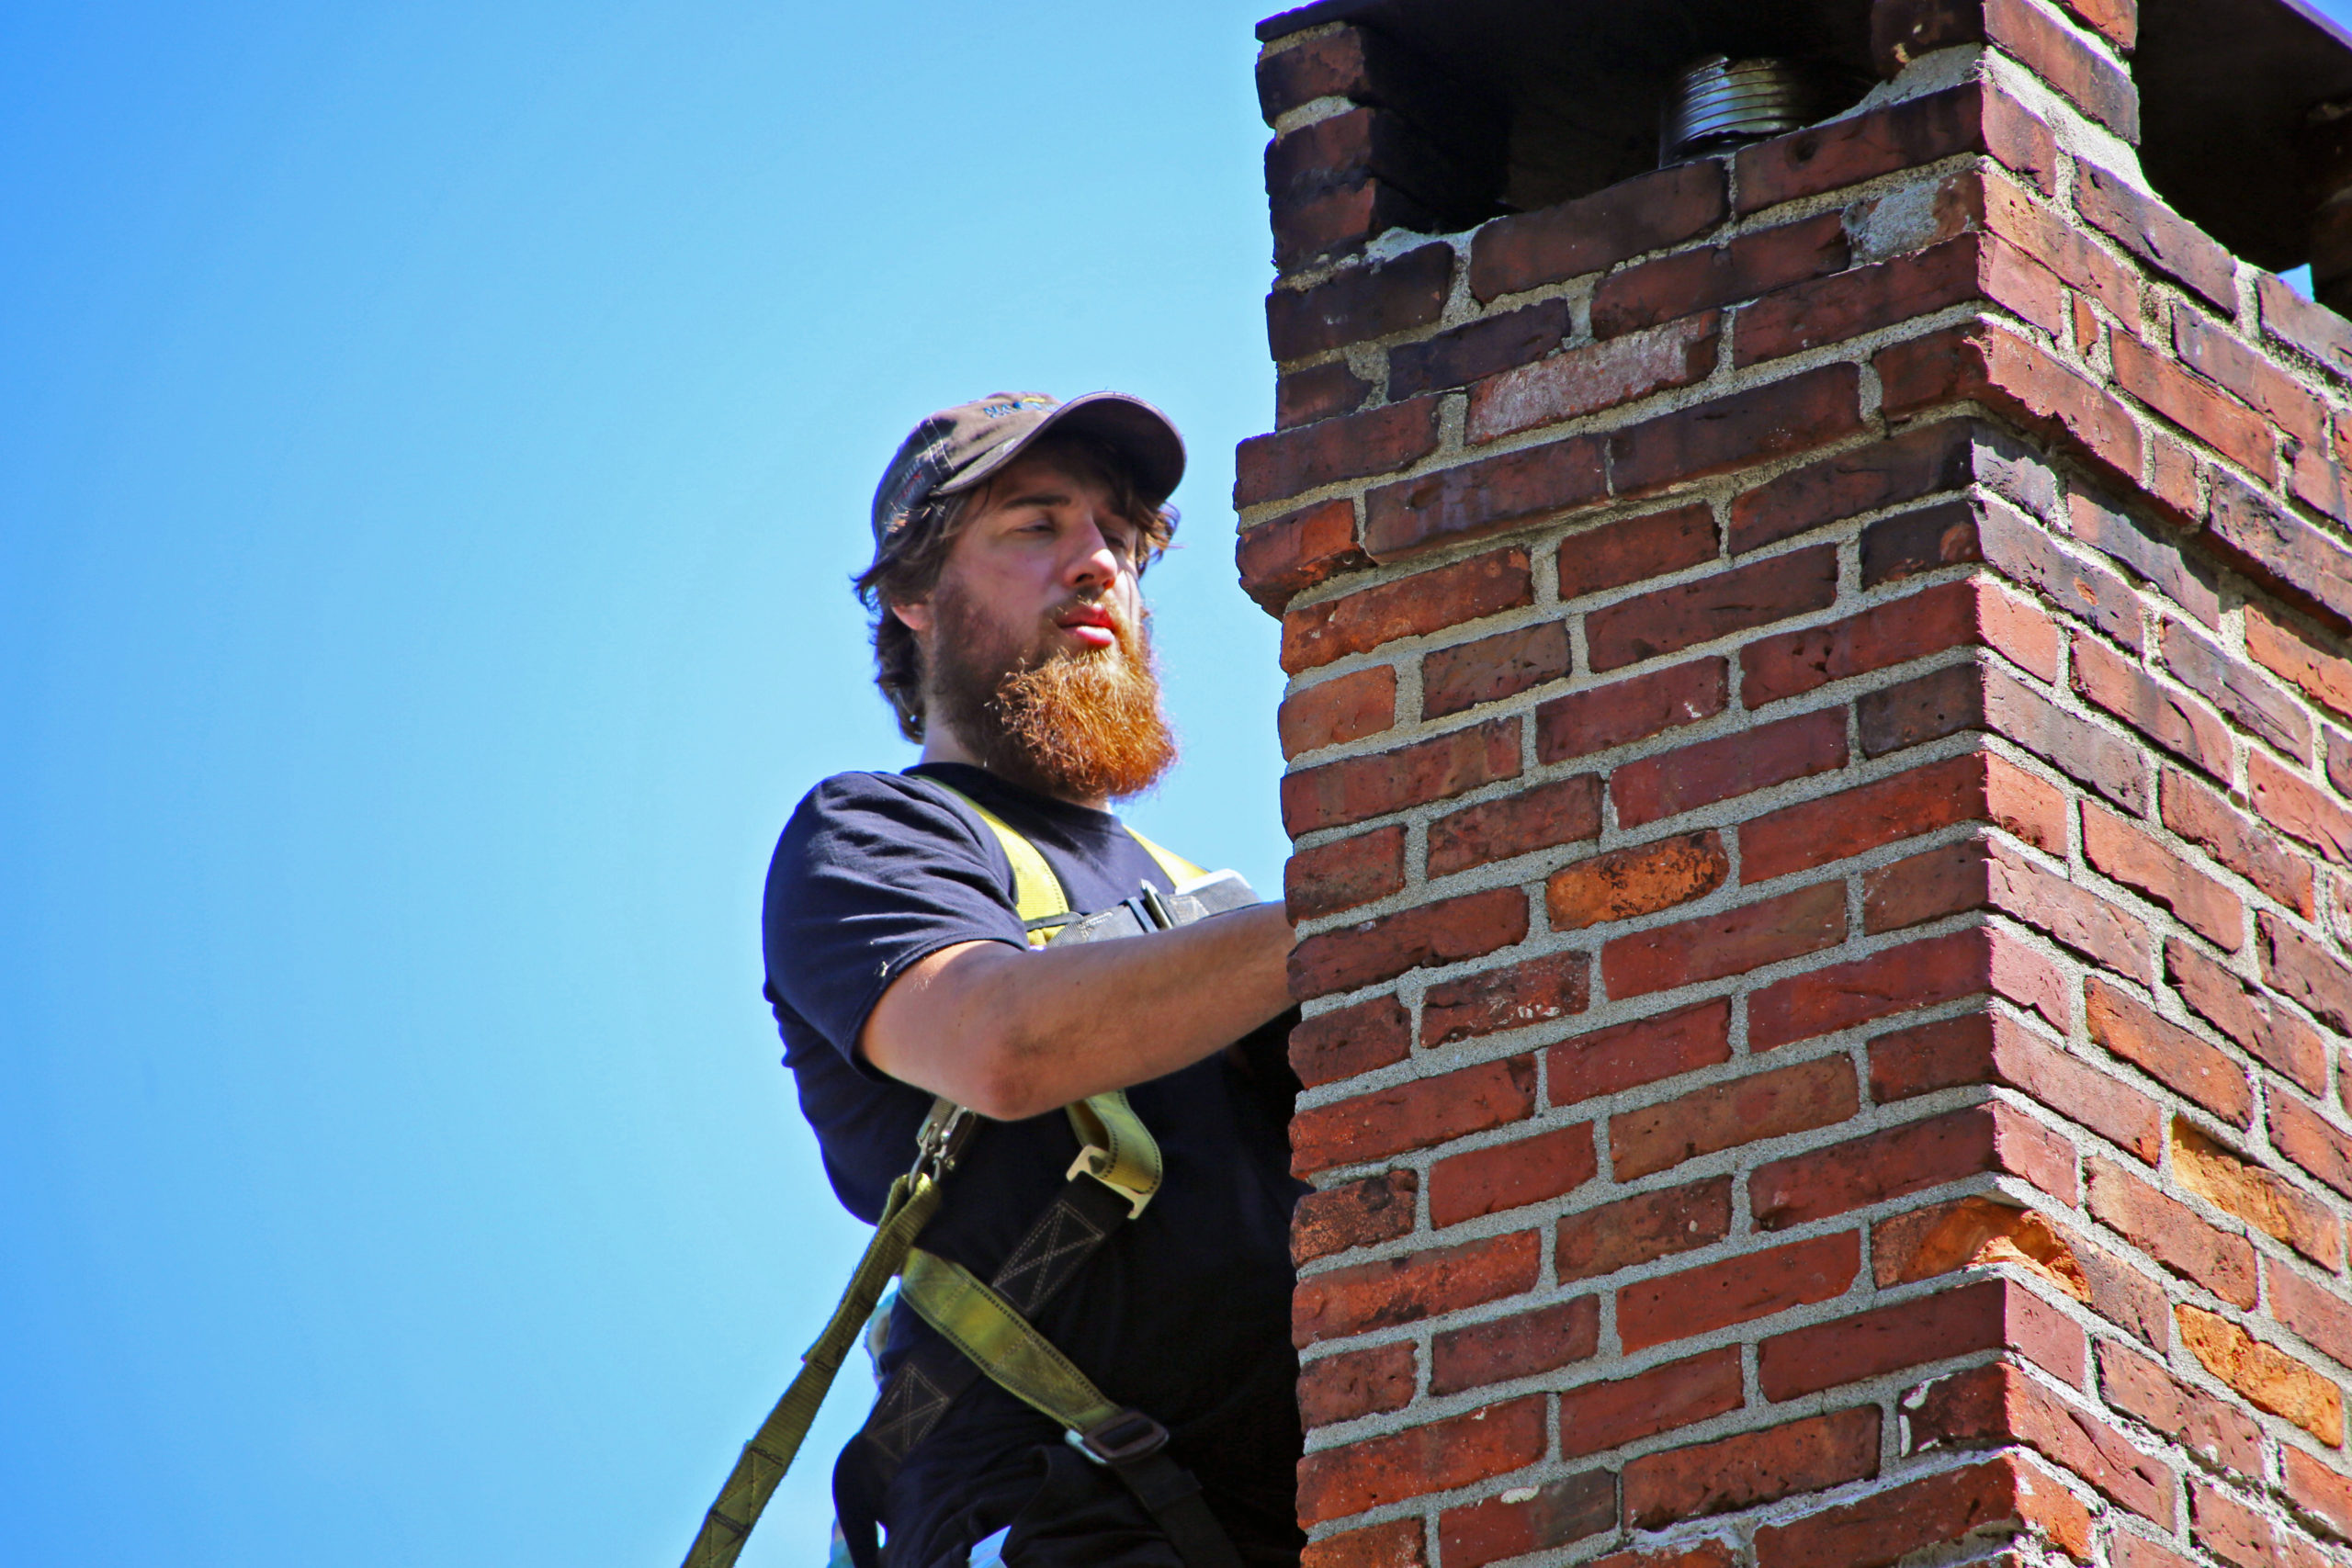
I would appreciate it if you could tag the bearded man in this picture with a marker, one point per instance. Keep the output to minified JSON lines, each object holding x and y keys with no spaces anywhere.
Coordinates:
{"x":1010,"y":537}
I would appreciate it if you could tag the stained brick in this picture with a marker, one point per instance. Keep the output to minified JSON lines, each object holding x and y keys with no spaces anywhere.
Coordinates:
{"x":2237,"y":690}
{"x":1354,"y":1384}
{"x":2273,"y":1036}
{"x":1330,"y":713}
{"x":1354,"y":788}
{"x":1520,"y":1346}
{"x":1492,"y":668}
{"x":1907,"y":1158}
{"x":1319,"y":392}
{"x":1983,"y":1048}
{"x":1990,"y":1315}
{"x":1360,"y":302}
{"x":1608,"y":1414}
{"x":1335,"y":1482}
{"x":1446,"y":597}
{"x":2301,"y":970}
{"x":1354,"y":1213}
{"x":1352,"y":1299}
{"x":1638,"y":880}
{"x":1288,"y":555}
{"x":1641,"y":1052}
{"x":1671,"y":783}
{"x":2173,"y":1235}
{"x":1999,"y":1404}
{"x":1618,"y":553}
{"x":1940,"y":456}
{"x":1810,"y":1455}
{"x":1973,"y":787}
{"x":1591,"y":378}
{"x":2156,"y":235}
{"x":1463,"y":355}
{"x":2174,"y":720}
{"x":1691,"y":281}
{"x":1831,"y":309}
{"x":2200,"y":1423}
{"x":1413,"y":1115}
{"x":2269,"y":1377}
{"x":1378,"y":441}
{"x":1599,"y":718}
{"x":2214,"y":417}
{"x":1566,"y":811}
{"x":2167,"y":1053}
{"x":1558,"y":1512}
{"x":2249,"y":848}
{"x":1887,"y":1526}
{"x":1894,"y":980}
{"x":1646,"y":213}
{"x":1639,"y":1230}
{"x":1350,"y":1040}
{"x":1537,"y":991}
{"x":1739,"y":1290}
{"x":1761,"y":1105}
{"x":1344,"y":872}
{"x":1860,"y":147}
{"x":2186,"y":581}
{"x":1986,"y":364}
{"x":1811,"y":409}
{"x":1471,"y":500}
{"x":1731,"y":941}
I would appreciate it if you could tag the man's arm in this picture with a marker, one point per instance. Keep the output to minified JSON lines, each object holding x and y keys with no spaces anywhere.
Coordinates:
{"x":1013,"y":1033}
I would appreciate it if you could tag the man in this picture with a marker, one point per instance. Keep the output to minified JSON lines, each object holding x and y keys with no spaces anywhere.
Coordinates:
{"x":1011,"y":535}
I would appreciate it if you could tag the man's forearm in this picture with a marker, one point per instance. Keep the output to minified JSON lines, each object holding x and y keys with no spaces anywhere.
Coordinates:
{"x":1014,"y":1035}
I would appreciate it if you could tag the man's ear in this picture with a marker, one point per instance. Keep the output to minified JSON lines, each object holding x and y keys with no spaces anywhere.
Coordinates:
{"x":915,"y":615}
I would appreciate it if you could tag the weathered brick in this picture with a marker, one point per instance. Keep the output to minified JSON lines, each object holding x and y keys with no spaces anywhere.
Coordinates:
{"x":2311,"y":1142}
{"x":1618,"y":553}
{"x":1640,"y":1230}
{"x":1323,"y":218}
{"x":1397,"y":1544}
{"x":2021,"y":549}
{"x":1974,"y":787}
{"x":2233,"y":1533}
{"x":1666,"y":619}
{"x":1365,"y":67}
{"x":1653,"y":788}
{"x":1762,"y":1105}
{"x":1691,"y":281}
{"x":1319,"y":392}
{"x":1704,"y":1554}
{"x":1643,"y":1050}
{"x":2117,"y":849}
{"x":1413,"y":1115}
{"x":1894,"y":980}
{"x":2155,"y":234}
{"x":2262,"y":1199}
{"x":1357,"y":1297}
{"x":1520,"y":1346}
{"x":2309,"y":328}
{"x":1357,"y":445}
{"x":1350,"y":1040}
{"x":2167,"y":1053}
{"x":1912,"y":1244}
{"x":2272,"y":1035}
{"x":2185,"y":580}
{"x":1944,"y":455}
{"x":1343,"y":151}
{"x":2171,"y":719}
{"x":1637,"y":880}
{"x":1739,"y":1290}
{"x":2000,"y":1405}
{"x":2167,"y":1231}
{"x":2269,"y":1378}
{"x":2117,"y":20}
{"x":2117,"y":768}
{"x":2059,"y":243}
{"x":2280,"y":645}
{"x":1355,"y":1383}
{"x":1990,"y":1315}
{"x":1429,"y":601}
{"x":1731,"y":941}
{"x":2215,"y":353}
{"x":1335,"y":1482}
{"x":1354,"y":788}
{"x":1559,"y":1511}
{"x":1492,"y":668}
{"x":1282,"y":558}
{"x":1831,"y":309}
{"x":1602,"y":1416}
{"x":2287,"y":801}
{"x":1860,"y":147}
{"x":1905,"y":30}
{"x":2255,"y":535}
{"x":2249,"y":848}
{"x":1460,"y":357}
{"x":1354,"y":1213}
{"x":1360,"y":302}
{"x":1983,"y":1048}
{"x":2301,"y":970}
{"x":1510,"y":1176}
{"x":1330,"y":713}
{"x":1883,"y":1526}
{"x":1722,"y":1477}
{"x":1536,"y":991}
{"x":1599,"y":718}
{"x":1565,"y":811}
{"x":1951,"y":615}
{"x":1468,"y":501}
{"x":1597,"y":375}
{"x":1985,"y":363}
{"x":2238,"y":690}
{"x":1984,"y":873}
{"x":1811,"y":409}
{"x":1908,"y":1159}
{"x":2317,"y":1489}
{"x":2319,"y":1313}
{"x":2200,"y":1423}
{"x":1327,"y":878}
{"x":1646,"y":213}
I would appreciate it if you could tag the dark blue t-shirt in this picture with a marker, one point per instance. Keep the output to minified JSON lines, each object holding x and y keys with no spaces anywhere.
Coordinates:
{"x":1185,"y":1313}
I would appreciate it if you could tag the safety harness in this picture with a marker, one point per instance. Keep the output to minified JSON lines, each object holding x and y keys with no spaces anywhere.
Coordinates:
{"x":984,"y":1328}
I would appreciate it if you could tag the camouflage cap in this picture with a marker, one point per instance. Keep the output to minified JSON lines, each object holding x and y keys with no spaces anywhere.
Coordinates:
{"x":956,"y":448}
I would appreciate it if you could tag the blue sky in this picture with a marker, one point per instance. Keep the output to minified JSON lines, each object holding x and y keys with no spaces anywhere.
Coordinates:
{"x":434,"y":442}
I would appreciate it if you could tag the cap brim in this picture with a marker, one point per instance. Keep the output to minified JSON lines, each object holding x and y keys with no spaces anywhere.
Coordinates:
{"x":1145,"y":435}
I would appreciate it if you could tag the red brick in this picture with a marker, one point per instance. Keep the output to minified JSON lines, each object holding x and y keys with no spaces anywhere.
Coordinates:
{"x":2156,"y":235}
{"x":2200,"y":816}
{"x":1378,"y":441}
{"x":2178,"y":723}
{"x":1762,"y":1105}
{"x":1492,"y":668}
{"x":2127,"y":1551}
{"x":1591,"y":378}
{"x":1360,"y":302}
{"x":1346,"y":707}
{"x":2318,"y":1313}
{"x":1976,"y":787}
{"x":1559,"y":1511}
{"x":1566,"y":811}
{"x":1884,"y":1526}
{"x":2215,"y":353}
{"x":1652,"y":789}
{"x":1756,"y":424}
{"x":1341,"y":151}
{"x":1413,"y":1115}
{"x":2309,"y":328}
{"x":1641,"y":1229}
{"x":1668,"y":619}
{"x":1908,"y":1159}
{"x":2117,"y":20}
{"x":1447,"y":597}
{"x":2301,"y":970}
{"x":1861,"y":147}
{"x":1335,"y":1482}
{"x":1811,"y":1455}
{"x":1639,"y":880}
{"x":1363,"y":1296}
{"x":2016,"y":547}
{"x":1354,"y":788}
{"x":2172,"y":1235}
{"x":1704,"y":1554}
{"x":2272,"y":1035}
{"x":1317,"y":221}
{"x":2150,"y":553}
{"x":2024,"y":976}
{"x":1731,"y":941}
{"x":1355,"y":1214}
{"x":2311,"y":1142}
{"x":1354,"y":64}
{"x":1990,"y":1315}
{"x":1397,"y":1544}
{"x":2278,"y":644}
{"x":1520,"y":1346}
{"x":1896,"y":979}
{"x":2234,"y":1533}
{"x":1282,"y":558}
{"x":2238,"y":690}
{"x":1455,"y":358}
{"x":1355,"y":1383}
{"x":1350,"y":1040}
{"x":1995,"y":1406}
{"x":1981,"y":1048}
{"x":2167,"y":1053}
{"x":1468,"y":501}
{"x":2267,"y":1202}
{"x":1989,"y":365}
{"x":2117,"y":768}
{"x":1608,"y":1414}
{"x":1600,"y":717}
{"x":1618,"y":553}
{"x":1831,"y":309}
{"x":1319,"y":392}
{"x":2286,"y":801}
{"x":1646,"y":213}
{"x":2318,"y":1490}
{"x":2200,"y":1423}
{"x":1536,"y":991}
{"x":1882,"y":473}
{"x":1739,"y":1290}
{"x":1691,"y":281}
{"x":1987,"y":874}
{"x":2059,"y":245}
{"x":2253,"y":534}
{"x":1643,"y":1050}
{"x":1951,"y":615}
{"x":1905,"y":29}
{"x":1344,"y":872}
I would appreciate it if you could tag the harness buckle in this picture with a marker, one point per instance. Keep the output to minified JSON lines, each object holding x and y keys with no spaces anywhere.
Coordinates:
{"x":941,"y":1140}
{"x":1122,"y":1440}
{"x":1085,"y":1165}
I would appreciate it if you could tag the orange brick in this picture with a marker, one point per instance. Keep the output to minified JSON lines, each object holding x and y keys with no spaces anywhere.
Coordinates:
{"x":1336,"y":1483}
{"x":1761,"y":1105}
{"x":2117,"y":849}
{"x":1638,"y":880}
{"x":2167,"y":1053}
{"x":1508,"y":1176}
{"x":1739,"y":1290}
{"x":2173,"y":1235}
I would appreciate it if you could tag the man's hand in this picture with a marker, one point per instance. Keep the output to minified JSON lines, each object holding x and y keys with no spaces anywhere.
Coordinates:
{"x":1013,"y":1033}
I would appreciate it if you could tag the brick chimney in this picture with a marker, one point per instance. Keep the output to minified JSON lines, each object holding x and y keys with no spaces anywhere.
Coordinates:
{"x":1820,"y":736}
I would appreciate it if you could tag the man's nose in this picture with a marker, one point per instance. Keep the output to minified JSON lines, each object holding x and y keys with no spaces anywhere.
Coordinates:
{"x":1093,"y":559}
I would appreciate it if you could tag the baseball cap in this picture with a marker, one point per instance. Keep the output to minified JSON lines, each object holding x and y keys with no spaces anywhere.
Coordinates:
{"x":956,"y":448}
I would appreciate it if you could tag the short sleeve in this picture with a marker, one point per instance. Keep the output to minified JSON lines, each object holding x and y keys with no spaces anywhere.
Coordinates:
{"x":873,"y":872}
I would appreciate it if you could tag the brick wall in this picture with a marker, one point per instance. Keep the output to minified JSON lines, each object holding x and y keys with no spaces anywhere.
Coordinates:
{"x":1820,"y":737}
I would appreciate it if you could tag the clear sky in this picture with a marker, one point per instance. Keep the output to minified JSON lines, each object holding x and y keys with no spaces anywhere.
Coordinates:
{"x":434,"y":442}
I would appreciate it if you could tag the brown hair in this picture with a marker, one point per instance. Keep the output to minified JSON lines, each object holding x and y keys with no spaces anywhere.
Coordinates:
{"x":906,"y":569}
